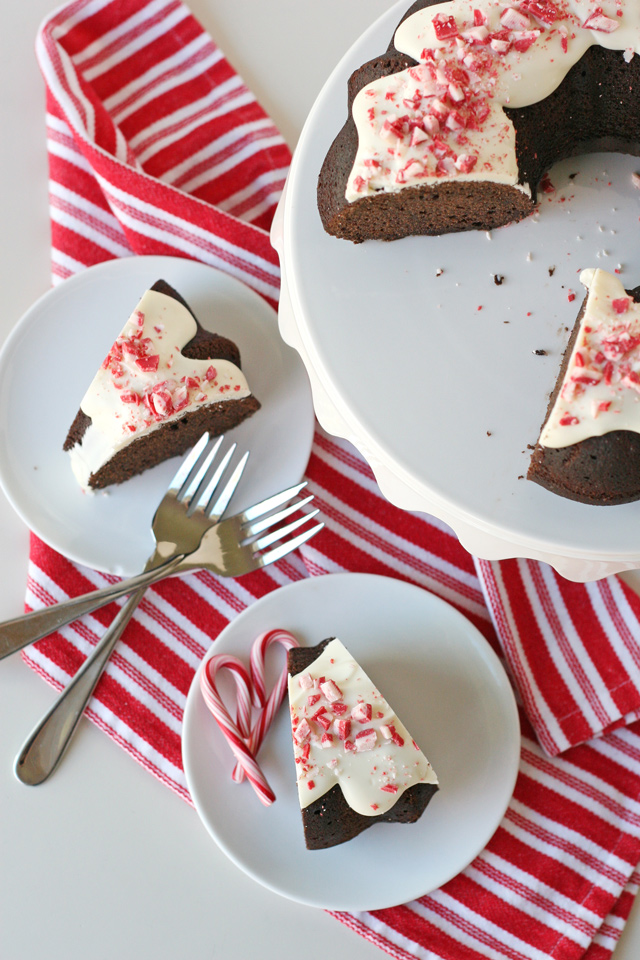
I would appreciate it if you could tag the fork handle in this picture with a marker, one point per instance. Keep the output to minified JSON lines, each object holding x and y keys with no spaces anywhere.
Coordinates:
{"x":43,"y":750}
{"x":21,"y":631}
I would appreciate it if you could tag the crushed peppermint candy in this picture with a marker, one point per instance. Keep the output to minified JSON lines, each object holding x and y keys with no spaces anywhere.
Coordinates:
{"x":345,"y":732}
{"x":442,"y":117}
{"x":600,"y":390}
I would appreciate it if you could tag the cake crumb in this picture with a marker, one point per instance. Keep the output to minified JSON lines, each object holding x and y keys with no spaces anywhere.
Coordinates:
{"x":489,"y":433}
{"x":540,"y":353}
{"x":552,"y":270}
{"x":498,"y":279}
{"x":439,"y":272}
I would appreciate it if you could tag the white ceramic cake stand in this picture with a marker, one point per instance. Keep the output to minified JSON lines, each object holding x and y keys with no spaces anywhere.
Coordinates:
{"x":437,"y":374}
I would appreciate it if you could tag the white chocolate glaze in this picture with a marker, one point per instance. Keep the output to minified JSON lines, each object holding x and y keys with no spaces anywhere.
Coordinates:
{"x":374,"y":760}
{"x":600,"y":391}
{"x":443,"y":119}
{"x":145,"y":382}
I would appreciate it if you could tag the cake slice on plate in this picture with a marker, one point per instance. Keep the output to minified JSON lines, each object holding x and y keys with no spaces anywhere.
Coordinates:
{"x":164,"y":382}
{"x":356,"y":763}
{"x":589,"y":444}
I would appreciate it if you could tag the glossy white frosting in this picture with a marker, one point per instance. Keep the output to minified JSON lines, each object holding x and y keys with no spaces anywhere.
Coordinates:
{"x":371,"y":779}
{"x":145,"y":382}
{"x":444,"y":120}
{"x":601,"y":388}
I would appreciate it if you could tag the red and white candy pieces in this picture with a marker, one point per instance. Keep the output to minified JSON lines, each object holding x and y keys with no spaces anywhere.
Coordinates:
{"x":255,"y":709}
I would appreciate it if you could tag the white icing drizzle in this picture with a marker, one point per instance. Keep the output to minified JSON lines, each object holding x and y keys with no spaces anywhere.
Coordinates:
{"x":373,"y":758}
{"x":444,"y":119}
{"x":600,"y":391}
{"x":145,"y":382}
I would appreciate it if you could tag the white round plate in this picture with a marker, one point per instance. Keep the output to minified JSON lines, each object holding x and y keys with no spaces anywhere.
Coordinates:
{"x":439,"y":373}
{"x":51,"y":357}
{"x":450,"y":691}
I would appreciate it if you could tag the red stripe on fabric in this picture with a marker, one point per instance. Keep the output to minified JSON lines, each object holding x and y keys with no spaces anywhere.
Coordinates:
{"x":627,"y":632}
{"x":267,"y":194}
{"x":529,"y":824}
{"x":140,"y":757}
{"x":417,"y":929}
{"x":567,"y":882}
{"x":97,"y":225}
{"x":161,"y":658}
{"x":217,"y":85}
{"x":81,"y":35}
{"x":77,"y":247}
{"x":170,"y":77}
{"x":599,"y":769}
{"x":158,"y":50}
{"x":139,"y":719}
{"x":247,"y":170}
{"x":194,"y":608}
{"x":414,"y":530}
{"x":80,"y":182}
{"x":613,"y":675}
{"x":109,"y":48}
{"x":55,"y":62}
{"x":551,"y":685}
{"x":362,"y":527}
{"x":526,"y":929}
{"x":557,"y":619}
{"x":252,"y":134}
{"x":68,"y":576}
{"x":596,"y":951}
{"x":569,"y":814}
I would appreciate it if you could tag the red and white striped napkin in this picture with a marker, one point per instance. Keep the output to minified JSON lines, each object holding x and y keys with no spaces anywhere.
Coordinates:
{"x":156,"y":146}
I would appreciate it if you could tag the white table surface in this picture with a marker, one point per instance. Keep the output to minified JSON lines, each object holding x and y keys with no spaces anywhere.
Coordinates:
{"x":103,"y":861}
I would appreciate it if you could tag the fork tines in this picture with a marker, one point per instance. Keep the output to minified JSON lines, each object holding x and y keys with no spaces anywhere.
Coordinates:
{"x":278,"y":537}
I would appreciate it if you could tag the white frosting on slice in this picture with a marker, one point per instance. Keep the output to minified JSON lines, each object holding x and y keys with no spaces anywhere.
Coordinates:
{"x":345,"y":732}
{"x":444,"y":119}
{"x":601,"y":388}
{"x":145,"y":382}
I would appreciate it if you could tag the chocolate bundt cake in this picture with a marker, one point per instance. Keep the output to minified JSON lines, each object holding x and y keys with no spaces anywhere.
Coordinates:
{"x":356,"y":764}
{"x":454,"y":126}
{"x":589,"y":444}
{"x":164,"y":382}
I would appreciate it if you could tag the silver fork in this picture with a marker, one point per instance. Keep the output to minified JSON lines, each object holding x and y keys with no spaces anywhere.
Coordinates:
{"x":230,"y":548}
{"x":187,"y":505}
{"x":182,"y":517}
{"x":222,"y":550}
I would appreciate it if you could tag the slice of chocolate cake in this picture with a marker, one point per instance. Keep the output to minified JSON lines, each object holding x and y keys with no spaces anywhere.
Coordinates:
{"x":453,"y":127}
{"x":589,"y":444}
{"x":164,"y":382}
{"x":356,"y":764}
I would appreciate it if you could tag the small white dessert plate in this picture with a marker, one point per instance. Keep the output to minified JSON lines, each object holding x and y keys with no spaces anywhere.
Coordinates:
{"x":448,"y":688}
{"x":51,"y":357}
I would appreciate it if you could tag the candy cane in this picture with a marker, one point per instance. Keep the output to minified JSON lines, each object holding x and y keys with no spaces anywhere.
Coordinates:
{"x":270,"y":705}
{"x":235,"y":733}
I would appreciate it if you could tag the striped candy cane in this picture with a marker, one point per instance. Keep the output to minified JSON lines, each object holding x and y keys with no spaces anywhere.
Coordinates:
{"x":236,"y":734}
{"x":268,"y":706}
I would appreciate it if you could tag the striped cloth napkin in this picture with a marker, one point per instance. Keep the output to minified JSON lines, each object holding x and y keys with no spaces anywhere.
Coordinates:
{"x":156,"y":146}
